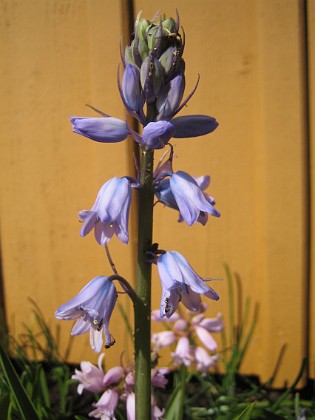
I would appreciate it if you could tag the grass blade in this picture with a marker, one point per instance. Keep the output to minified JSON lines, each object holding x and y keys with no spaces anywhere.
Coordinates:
{"x":22,"y":399}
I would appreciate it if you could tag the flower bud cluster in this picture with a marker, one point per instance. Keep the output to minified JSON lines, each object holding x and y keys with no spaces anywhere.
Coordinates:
{"x":152,"y":89}
{"x":154,"y":69}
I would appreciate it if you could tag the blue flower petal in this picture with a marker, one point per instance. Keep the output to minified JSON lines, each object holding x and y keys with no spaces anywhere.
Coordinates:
{"x":157,"y":134}
{"x":105,"y":130}
{"x":193,"y":125}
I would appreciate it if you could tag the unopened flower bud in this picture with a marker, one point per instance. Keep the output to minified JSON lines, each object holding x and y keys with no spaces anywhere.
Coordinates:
{"x":170,"y":97}
{"x":194,"y":125}
{"x":151,"y":77}
{"x":154,"y":35}
{"x":170,"y":60}
{"x":105,"y":130}
{"x":129,"y":56}
{"x":143,"y":49}
{"x":141,"y":29}
{"x":169,"y":24}
{"x":131,"y":88}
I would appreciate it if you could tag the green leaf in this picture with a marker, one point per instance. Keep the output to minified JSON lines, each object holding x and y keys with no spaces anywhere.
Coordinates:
{"x":44,"y":386}
{"x":4,"y":406}
{"x":22,"y":399}
{"x":175,"y":405}
{"x":246,"y":414}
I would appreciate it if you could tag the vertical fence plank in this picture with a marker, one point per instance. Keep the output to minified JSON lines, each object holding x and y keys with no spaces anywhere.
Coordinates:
{"x":311,"y":72}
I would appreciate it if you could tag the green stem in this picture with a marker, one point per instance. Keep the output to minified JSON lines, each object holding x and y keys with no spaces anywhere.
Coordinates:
{"x":142,"y":305}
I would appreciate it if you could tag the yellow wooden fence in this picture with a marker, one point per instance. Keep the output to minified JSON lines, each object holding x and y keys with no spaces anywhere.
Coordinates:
{"x":256,"y":59}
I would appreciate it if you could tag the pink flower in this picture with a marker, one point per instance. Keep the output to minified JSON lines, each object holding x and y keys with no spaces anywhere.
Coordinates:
{"x":90,"y":376}
{"x":106,"y":406}
{"x":186,"y":331}
{"x":156,"y":413}
{"x":206,"y":338}
{"x":203,"y":359}
{"x":212,"y":324}
{"x":180,"y":325}
{"x":163,"y":339}
{"x":158,"y":377}
{"x":203,"y":326}
{"x":182,"y":353}
{"x":131,"y":406}
{"x":113,"y":376}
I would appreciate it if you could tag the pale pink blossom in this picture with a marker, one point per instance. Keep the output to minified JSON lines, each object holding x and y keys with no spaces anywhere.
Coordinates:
{"x":182,"y":353}
{"x":113,"y":376}
{"x":158,"y":378}
{"x":203,"y":359}
{"x":90,"y":376}
{"x":204,"y":326}
{"x":206,"y":338}
{"x":180,"y":325}
{"x":213,"y":324}
{"x":187,"y":331}
{"x":106,"y":406}
{"x":131,"y":406}
{"x":156,"y":413}
{"x":163,"y":339}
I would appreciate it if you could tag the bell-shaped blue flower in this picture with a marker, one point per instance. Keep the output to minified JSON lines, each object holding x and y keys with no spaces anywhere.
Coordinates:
{"x":184,"y":193}
{"x":104,"y":130}
{"x":180,"y":282}
{"x":110,"y":212}
{"x":155,"y":135}
{"x":92,"y":308}
{"x":193,"y":125}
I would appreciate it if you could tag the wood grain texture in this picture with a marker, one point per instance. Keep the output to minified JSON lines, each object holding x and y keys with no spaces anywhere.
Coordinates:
{"x":311,"y":96}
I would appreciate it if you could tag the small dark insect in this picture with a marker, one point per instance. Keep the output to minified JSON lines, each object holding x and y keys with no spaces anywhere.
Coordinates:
{"x":176,"y":36}
{"x":97,"y":324}
{"x":167,"y":305}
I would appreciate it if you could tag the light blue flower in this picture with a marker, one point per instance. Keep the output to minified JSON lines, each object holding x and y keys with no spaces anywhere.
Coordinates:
{"x":110,"y":212}
{"x":92,"y":308}
{"x":104,"y":130}
{"x":155,"y":135}
{"x":184,"y":193}
{"x":180,"y":282}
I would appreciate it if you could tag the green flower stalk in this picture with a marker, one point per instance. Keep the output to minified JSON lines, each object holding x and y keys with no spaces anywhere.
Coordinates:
{"x":143,"y":289}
